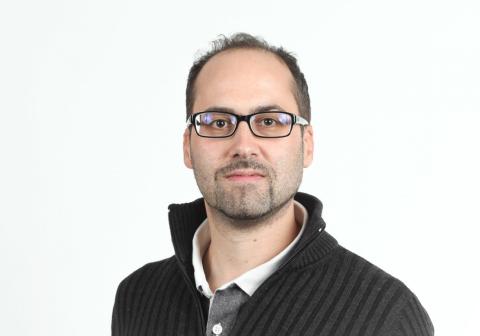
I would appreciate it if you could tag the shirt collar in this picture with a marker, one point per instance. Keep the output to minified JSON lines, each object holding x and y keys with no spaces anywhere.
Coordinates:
{"x":250,"y":280}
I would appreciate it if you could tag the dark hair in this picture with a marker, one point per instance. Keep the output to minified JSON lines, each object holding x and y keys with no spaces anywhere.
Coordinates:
{"x":247,"y":41}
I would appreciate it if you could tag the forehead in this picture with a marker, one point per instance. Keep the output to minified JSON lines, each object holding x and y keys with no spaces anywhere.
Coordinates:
{"x":244,"y":78}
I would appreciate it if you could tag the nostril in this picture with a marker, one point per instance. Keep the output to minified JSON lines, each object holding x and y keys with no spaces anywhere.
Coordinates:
{"x":244,"y":155}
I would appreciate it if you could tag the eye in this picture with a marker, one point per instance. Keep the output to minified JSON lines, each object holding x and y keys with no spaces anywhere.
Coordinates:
{"x":220,"y":123}
{"x":268,"y":122}
{"x":215,"y":120}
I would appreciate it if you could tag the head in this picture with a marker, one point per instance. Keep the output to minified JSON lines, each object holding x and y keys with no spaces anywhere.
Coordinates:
{"x":245,"y":178}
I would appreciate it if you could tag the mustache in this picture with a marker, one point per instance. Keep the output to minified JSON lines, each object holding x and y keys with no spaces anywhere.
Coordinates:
{"x":243,"y":164}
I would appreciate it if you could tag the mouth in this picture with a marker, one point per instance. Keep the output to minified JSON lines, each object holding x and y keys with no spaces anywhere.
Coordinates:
{"x":247,"y":175}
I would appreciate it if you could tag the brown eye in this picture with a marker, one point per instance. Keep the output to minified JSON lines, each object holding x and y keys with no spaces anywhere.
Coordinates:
{"x":268,"y":122}
{"x":220,"y":123}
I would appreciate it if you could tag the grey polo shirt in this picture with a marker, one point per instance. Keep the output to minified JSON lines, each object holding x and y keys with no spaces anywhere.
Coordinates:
{"x":228,"y":298}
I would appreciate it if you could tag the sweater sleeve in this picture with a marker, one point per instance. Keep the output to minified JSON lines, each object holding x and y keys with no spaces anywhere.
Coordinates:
{"x":413,"y":320}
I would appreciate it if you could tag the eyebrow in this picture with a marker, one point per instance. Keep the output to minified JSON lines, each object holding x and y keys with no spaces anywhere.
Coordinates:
{"x":257,"y":109}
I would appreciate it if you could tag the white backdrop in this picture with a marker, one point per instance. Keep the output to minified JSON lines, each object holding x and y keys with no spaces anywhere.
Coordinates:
{"x":92,"y":114}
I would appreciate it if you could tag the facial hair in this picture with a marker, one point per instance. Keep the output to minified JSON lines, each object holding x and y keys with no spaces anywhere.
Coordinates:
{"x":246,"y":205}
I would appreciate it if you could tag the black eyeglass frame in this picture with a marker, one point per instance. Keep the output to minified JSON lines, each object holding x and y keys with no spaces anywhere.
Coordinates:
{"x":296,"y":120}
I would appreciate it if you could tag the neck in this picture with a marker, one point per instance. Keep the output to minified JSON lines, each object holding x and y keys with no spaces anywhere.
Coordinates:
{"x":234,"y":251}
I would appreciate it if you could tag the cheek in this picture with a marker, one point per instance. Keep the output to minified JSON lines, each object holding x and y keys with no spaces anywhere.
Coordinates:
{"x":287,"y":163}
{"x":204,"y":157}
{"x":288,"y":150}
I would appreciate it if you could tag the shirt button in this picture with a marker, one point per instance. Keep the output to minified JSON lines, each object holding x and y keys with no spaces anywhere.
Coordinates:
{"x":217,"y":329}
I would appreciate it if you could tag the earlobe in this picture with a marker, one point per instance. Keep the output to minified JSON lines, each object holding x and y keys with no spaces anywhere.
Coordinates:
{"x":308,"y":146}
{"x":187,"y":159}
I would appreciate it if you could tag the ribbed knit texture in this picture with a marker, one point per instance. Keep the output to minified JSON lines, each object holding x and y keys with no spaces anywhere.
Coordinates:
{"x":323,"y":289}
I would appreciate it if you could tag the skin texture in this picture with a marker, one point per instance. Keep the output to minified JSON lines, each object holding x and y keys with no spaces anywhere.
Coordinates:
{"x":247,"y":182}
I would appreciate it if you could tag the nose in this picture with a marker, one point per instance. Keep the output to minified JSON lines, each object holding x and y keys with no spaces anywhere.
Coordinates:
{"x":244,"y":144}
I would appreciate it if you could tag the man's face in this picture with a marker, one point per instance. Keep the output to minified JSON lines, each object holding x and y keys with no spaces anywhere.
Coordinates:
{"x":243,"y":176}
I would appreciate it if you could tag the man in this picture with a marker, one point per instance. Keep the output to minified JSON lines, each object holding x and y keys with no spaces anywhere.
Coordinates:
{"x":253,"y":257}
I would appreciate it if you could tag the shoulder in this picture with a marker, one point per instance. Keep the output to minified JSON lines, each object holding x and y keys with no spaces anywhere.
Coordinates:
{"x":152,"y":279}
{"x":144,"y":292}
{"x":145,"y":297}
{"x":383,"y":301}
{"x":149,"y":275}
{"x":366,"y":298}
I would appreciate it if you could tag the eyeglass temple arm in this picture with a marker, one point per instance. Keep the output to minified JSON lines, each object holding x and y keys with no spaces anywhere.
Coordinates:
{"x":301,"y":121}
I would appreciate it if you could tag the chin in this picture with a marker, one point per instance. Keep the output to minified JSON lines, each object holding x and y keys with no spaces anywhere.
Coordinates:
{"x":245,"y":220}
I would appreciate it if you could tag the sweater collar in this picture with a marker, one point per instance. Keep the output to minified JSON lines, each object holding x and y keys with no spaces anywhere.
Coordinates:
{"x":186,"y":218}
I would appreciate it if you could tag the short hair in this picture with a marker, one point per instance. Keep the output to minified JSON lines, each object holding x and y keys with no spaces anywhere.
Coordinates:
{"x":247,"y":41}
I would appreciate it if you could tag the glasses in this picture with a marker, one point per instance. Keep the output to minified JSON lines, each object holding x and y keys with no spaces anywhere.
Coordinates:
{"x":274,"y":124}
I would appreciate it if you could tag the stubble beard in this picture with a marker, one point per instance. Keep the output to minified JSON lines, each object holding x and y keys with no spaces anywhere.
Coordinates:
{"x":245,"y":206}
{"x":247,"y":202}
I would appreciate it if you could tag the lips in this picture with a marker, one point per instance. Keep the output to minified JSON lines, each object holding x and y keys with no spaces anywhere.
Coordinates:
{"x":244,"y":175}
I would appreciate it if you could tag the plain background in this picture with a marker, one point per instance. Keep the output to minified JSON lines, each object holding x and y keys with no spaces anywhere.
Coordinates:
{"x":91,"y":122}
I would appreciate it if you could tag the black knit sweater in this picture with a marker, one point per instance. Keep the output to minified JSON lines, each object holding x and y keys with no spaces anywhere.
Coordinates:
{"x":322,"y":289}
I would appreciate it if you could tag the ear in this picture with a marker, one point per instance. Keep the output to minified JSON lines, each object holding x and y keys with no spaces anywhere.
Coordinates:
{"x":308,"y":146}
{"x":187,"y":158}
